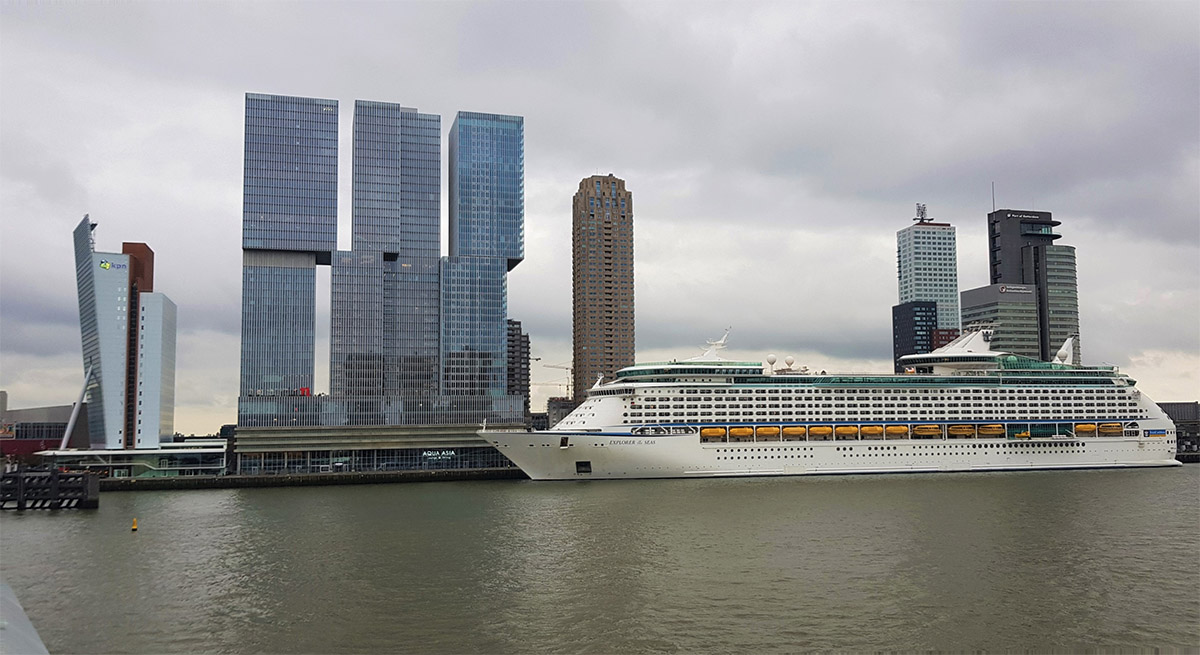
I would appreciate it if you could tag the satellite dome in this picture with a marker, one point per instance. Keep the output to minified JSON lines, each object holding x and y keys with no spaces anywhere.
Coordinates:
{"x":789,"y":360}
{"x":771,"y":359}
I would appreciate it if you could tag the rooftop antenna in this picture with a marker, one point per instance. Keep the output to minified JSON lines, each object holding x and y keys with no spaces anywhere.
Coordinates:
{"x":922,"y":214}
{"x":993,"y":195}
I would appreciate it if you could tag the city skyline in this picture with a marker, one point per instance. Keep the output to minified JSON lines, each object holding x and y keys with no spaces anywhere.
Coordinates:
{"x":768,"y":185}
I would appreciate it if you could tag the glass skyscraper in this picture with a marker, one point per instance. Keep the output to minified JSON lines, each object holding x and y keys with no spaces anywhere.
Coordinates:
{"x":397,"y":180}
{"x":289,"y":225}
{"x":487,"y":239}
{"x":487,"y":187}
{"x":414,"y":338}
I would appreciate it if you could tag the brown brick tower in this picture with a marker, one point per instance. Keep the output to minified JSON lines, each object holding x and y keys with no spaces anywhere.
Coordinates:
{"x":602,"y":280}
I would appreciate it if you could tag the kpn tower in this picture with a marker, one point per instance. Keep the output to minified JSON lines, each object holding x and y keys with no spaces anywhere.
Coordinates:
{"x":416,"y":338}
{"x":128,"y":336}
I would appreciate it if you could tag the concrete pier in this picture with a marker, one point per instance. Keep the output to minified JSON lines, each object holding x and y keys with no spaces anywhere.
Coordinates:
{"x":306,"y":479}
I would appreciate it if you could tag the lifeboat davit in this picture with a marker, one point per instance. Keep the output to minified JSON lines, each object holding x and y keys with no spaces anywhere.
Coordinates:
{"x":991,"y":430}
{"x":712,"y":432}
{"x":1085,"y":427}
{"x":871,"y":430}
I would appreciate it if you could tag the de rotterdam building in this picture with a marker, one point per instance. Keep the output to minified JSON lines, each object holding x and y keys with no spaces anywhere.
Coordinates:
{"x":415,"y":338}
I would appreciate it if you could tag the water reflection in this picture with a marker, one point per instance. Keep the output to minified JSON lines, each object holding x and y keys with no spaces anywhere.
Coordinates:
{"x":1069,"y":561}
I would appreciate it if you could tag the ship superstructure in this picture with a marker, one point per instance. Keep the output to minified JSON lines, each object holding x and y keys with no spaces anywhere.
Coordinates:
{"x":962,"y":407}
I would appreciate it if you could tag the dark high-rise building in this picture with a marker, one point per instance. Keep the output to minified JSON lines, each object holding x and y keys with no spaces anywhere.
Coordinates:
{"x":518,"y":364}
{"x":913,"y":327}
{"x":1021,"y":251}
{"x":602,"y":316}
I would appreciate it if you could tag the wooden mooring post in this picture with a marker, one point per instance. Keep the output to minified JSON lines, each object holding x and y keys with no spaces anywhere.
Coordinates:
{"x":24,"y":489}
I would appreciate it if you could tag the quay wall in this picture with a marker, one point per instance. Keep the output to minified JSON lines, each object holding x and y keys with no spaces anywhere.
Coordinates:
{"x":305,"y":479}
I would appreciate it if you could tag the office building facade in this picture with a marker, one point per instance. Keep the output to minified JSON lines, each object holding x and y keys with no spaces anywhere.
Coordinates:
{"x":1022,"y":252}
{"x":1010,"y":312}
{"x":487,"y":240}
{"x":518,"y":365}
{"x":415,"y":338}
{"x":602,"y":300}
{"x":127,"y":333}
{"x":927,"y":272}
{"x":289,"y":225}
{"x":913,"y":327}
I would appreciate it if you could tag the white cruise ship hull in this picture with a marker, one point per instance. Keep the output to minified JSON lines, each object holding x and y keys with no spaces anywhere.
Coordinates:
{"x":961,"y":408}
{"x":560,"y":455}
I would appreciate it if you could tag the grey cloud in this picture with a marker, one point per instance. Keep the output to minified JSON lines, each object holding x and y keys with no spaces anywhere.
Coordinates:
{"x":773,"y":150}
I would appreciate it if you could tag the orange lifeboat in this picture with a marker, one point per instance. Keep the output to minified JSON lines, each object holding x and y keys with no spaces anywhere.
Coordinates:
{"x":794,"y":431}
{"x":962,"y":430}
{"x":712,"y":432}
{"x":820,"y":432}
{"x":896,"y":431}
{"x":871,"y":430}
{"x":767,"y":432}
{"x":1110,"y":428}
{"x":1085,"y":427}
{"x":928,"y":430}
{"x":992,"y":430}
{"x":846,"y":431}
{"x":741,"y":432}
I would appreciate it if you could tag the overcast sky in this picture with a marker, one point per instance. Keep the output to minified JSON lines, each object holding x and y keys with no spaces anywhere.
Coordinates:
{"x":773,"y":150}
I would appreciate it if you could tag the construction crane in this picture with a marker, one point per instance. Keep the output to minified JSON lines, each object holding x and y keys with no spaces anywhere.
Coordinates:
{"x":570,"y":377}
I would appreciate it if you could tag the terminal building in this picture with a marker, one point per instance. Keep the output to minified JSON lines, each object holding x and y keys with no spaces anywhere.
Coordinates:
{"x":24,"y":432}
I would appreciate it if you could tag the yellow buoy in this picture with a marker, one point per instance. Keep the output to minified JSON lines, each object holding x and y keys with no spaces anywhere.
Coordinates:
{"x":134,"y":525}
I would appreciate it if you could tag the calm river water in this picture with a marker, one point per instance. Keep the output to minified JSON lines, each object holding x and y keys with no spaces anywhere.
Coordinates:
{"x":1036,"y":561}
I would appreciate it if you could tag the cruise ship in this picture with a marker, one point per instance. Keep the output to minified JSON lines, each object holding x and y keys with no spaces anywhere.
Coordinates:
{"x":962,"y":407}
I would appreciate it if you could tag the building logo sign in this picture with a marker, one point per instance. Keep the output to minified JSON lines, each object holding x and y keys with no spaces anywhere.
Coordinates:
{"x":1010,"y":288}
{"x":106,"y":265}
{"x":435,"y":455}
